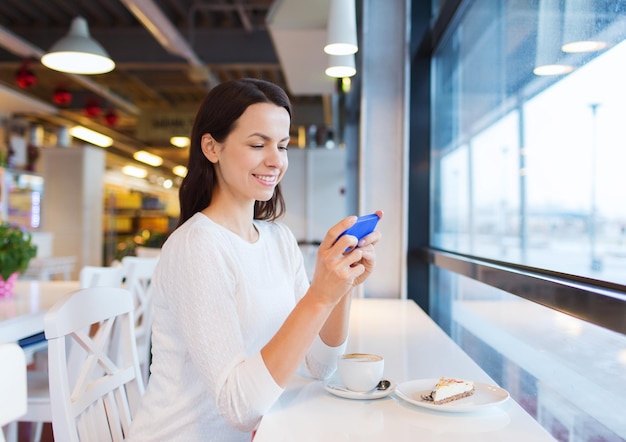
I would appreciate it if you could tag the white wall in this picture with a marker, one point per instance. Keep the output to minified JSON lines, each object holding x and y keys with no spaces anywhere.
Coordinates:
{"x":314,"y":191}
{"x":72,"y":207}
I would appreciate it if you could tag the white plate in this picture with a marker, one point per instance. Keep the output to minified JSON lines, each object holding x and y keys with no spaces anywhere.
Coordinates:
{"x":485,"y":395}
{"x":337,"y":388}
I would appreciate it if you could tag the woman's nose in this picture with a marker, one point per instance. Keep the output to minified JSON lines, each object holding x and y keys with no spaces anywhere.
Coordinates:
{"x":275,"y":157}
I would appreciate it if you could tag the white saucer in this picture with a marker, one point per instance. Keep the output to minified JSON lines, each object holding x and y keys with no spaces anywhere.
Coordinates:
{"x":337,"y":388}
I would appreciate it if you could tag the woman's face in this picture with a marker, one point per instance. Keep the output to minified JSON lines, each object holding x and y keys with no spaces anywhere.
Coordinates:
{"x":253,"y":158}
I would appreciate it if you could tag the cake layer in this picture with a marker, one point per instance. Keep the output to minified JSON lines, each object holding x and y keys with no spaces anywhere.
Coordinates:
{"x":455,"y":397}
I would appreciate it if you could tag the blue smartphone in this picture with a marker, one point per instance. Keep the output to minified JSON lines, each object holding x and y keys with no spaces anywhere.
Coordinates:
{"x":364,"y":226}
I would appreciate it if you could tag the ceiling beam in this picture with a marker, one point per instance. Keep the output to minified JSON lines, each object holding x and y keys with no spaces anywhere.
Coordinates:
{"x":161,"y":28}
{"x":134,"y":44}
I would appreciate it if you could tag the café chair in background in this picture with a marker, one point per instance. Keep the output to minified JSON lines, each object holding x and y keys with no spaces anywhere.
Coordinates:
{"x":12,"y":387}
{"x":137,"y":277}
{"x":147,"y":252}
{"x":100,"y":276}
{"x":38,"y":411}
{"x":99,"y":400}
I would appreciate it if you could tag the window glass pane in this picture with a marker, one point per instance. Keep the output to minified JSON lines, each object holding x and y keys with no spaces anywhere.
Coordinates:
{"x":566,"y":373}
{"x":528,"y":168}
{"x":436,"y":6}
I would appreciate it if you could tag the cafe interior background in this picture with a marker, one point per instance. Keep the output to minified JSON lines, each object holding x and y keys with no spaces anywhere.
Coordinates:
{"x":494,"y":148}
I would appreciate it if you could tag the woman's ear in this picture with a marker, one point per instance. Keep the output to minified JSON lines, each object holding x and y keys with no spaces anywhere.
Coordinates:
{"x":209,"y":148}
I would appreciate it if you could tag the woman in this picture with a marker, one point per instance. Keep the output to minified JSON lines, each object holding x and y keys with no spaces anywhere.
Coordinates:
{"x":234,"y":313}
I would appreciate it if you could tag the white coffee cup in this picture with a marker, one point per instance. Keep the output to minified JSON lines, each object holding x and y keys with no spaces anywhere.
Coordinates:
{"x":360,"y":371}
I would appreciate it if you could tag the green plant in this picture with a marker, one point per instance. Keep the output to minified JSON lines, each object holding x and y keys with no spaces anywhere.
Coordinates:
{"x":16,"y":250}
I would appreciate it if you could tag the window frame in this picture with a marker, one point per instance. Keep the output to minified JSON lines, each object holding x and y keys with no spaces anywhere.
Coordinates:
{"x":598,"y":302}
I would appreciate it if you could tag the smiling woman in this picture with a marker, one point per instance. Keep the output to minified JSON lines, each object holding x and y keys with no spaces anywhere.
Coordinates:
{"x":233,"y":303}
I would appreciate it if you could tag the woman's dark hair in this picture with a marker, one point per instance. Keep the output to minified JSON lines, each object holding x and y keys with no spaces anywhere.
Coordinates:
{"x":217,"y":115}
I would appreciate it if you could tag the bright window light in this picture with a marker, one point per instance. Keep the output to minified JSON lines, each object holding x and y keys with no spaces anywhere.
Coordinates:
{"x":148,"y":158}
{"x":91,"y":136}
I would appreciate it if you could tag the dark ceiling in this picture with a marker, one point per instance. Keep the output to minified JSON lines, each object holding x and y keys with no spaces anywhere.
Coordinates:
{"x":208,"y":41}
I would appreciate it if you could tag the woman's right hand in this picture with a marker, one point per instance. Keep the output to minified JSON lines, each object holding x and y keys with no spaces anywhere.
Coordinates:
{"x":335,"y":270}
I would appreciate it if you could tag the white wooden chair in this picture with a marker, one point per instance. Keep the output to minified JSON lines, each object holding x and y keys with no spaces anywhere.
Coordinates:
{"x":99,"y":401}
{"x":100,"y":276}
{"x":38,"y":411}
{"x":12,"y":387}
{"x":138,"y":273}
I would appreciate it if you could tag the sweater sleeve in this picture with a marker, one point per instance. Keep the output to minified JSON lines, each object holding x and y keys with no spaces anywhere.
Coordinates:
{"x":321,"y":360}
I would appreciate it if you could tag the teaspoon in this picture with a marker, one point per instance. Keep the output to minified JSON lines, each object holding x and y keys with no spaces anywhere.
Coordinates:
{"x":383,"y":384}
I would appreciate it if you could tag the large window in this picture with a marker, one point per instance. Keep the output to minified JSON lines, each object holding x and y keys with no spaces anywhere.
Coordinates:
{"x":530,"y":169}
{"x":527,"y":155}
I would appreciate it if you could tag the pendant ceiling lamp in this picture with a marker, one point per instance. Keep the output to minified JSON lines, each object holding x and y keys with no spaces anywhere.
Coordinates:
{"x":341,"y":39}
{"x":549,"y":59}
{"x":341,"y":66}
{"x":78,"y":53}
{"x":579,"y":27}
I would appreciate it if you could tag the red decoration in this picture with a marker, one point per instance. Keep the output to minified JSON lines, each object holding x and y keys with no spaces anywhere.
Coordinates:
{"x":92,"y":108}
{"x":24,"y":77}
{"x":62,"y":97}
{"x":111,"y":117}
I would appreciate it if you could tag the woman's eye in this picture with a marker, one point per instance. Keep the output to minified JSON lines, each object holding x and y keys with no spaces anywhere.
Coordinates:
{"x":257,"y":146}
{"x":283,"y":147}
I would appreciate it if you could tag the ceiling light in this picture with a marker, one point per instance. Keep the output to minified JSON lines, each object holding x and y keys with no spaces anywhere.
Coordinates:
{"x":549,"y":59}
{"x":341,"y":31}
{"x":148,"y":158}
{"x":584,"y":46}
{"x":91,"y":136}
{"x":547,"y":70}
{"x":180,"y":171}
{"x":579,"y":27}
{"x":134,"y":171}
{"x":340,"y":66}
{"x":78,"y":53}
{"x":181,"y":142}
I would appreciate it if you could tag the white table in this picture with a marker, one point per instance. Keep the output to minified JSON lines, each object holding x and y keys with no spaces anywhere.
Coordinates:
{"x":414,"y":347}
{"x":43,"y":269}
{"x":22,"y":315}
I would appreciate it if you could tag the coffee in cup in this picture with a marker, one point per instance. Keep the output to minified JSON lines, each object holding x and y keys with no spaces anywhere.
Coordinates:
{"x":360,"y":371}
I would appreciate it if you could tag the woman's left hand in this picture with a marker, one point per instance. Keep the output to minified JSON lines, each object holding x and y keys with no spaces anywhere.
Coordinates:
{"x":366,"y":246}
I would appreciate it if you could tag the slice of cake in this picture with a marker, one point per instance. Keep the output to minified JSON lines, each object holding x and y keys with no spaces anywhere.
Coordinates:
{"x":448,"y":390}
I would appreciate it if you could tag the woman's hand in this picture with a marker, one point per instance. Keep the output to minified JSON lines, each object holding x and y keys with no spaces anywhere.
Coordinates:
{"x":366,"y":246}
{"x":338,"y":271}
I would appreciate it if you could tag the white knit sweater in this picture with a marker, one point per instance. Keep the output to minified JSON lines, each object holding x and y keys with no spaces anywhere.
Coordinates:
{"x":217,"y":301}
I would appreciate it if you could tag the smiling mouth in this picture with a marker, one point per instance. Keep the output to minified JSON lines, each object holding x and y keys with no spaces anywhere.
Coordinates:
{"x":268,"y":179}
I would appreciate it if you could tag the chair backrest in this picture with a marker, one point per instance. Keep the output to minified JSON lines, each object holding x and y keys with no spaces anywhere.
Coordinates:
{"x":100,"y":402}
{"x":12,"y":384}
{"x":98,"y":276}
{"x":147,"y":252}
{"x":138,"y":273}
